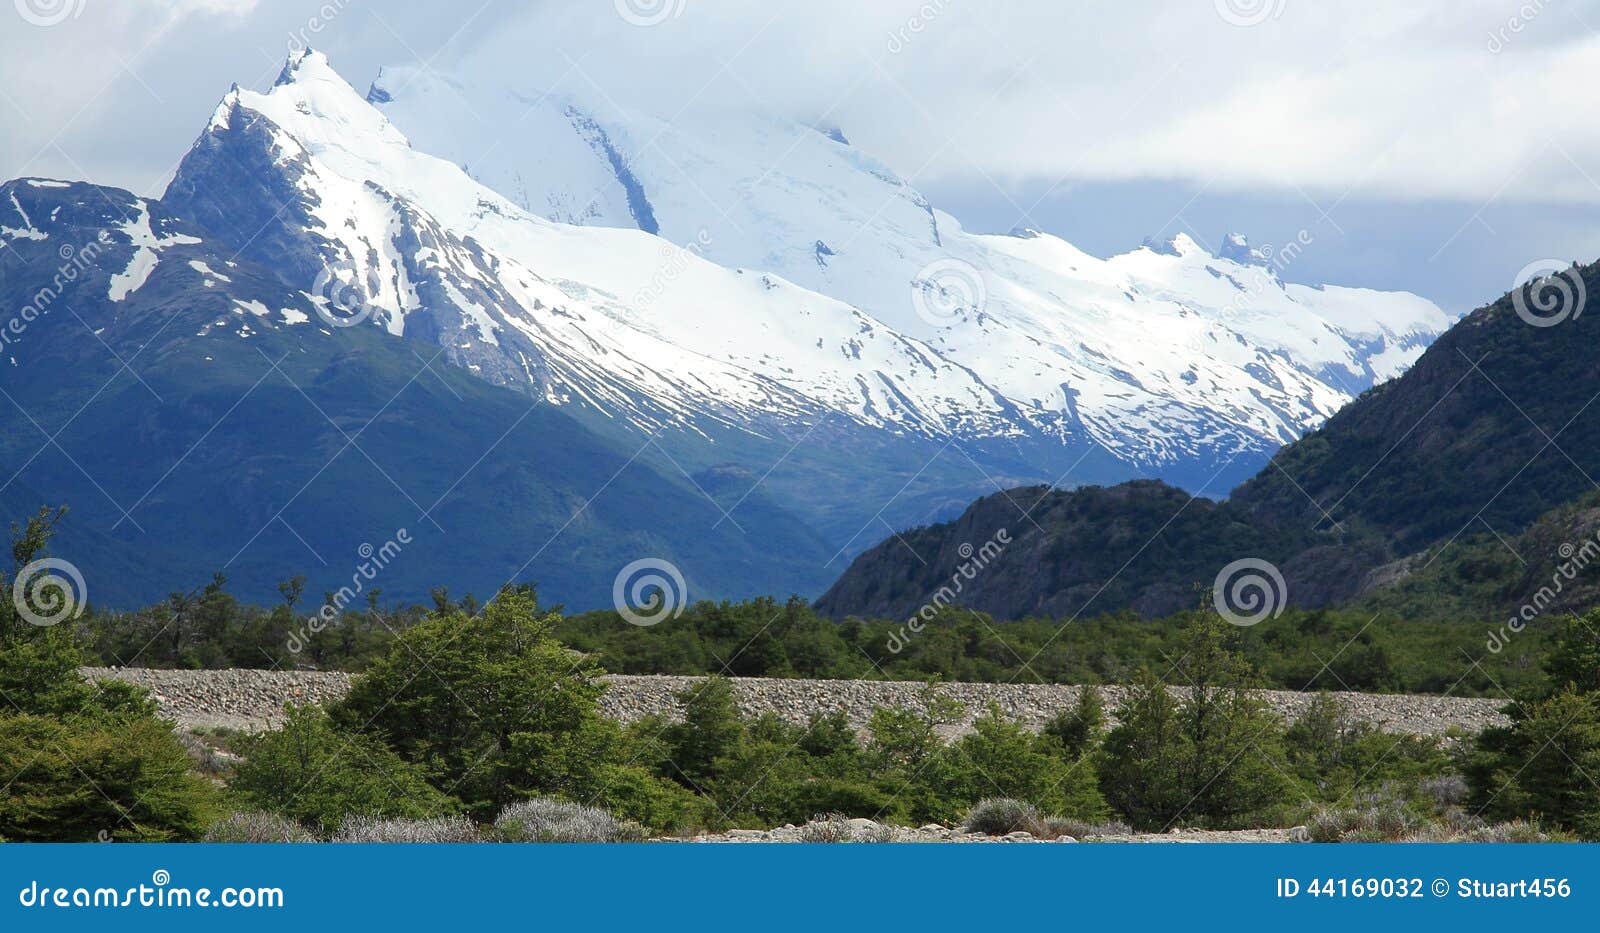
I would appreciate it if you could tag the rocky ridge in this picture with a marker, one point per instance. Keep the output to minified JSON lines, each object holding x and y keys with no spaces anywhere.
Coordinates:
{"x":250,"y":700}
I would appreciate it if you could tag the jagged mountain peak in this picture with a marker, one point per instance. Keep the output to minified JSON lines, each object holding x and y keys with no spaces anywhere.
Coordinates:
{"x":788,"y":273}
{"x":1178,"y":244}
{"x":1236,"y":247}
{"x":296,"y":61}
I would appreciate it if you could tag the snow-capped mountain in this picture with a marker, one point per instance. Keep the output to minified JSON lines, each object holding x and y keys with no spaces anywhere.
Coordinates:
{"x":198,"y":415}
{"x":763,"y":347}
{"x":773,"y":274}
{"x":1165,"y":356}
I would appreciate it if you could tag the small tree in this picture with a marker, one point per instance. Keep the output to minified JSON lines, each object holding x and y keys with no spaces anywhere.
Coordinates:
{"x":1143,"y":772}
{"x":1216,"y":758}
{"x":491,"y":708}
{"x":710,"y":729}
{"x":1575,"y":661}
{"x":82,"y":761}
{"x":1542,"y":765}
{"x":999,"y":758}
{"x":1079,"y":730}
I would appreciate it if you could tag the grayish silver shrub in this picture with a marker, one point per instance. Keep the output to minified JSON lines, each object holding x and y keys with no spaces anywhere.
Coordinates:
{"x":545,"y":819}
{"x":997,"y":816}
{"x":257,"y":827}
{"x":377,"y":829}
{"x":1054,"y":827}
{"x":836,"y":827}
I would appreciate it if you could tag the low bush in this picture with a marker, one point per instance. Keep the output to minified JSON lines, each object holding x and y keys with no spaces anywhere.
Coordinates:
{"x":1518,"y":831}
{"x":1444,"y":791}
{"x":313,"y":772}
{"x":997,"y":816}
{"x":1055,"y":827}
{"x":1376,"y":817}
{"x":379,"y":829}
{"x":99,"y":777}
{"x":1511,"y":831}
{"x":836,"y":827}
{"x":257,"y":826}
{"x":545,"y":819}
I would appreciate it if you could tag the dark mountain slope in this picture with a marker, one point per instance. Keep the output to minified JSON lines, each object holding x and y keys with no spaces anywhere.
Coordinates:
{"x":1495,"y":426}
{"x":1537,"y":577}
{"x":1064,"y":553}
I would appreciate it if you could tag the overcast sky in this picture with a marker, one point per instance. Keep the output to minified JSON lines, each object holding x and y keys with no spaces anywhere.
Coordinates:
{"x":1435,"y":145}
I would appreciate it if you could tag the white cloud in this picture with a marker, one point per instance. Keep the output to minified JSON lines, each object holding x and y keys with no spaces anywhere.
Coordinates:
{"x":1455,"y":99}
{"x":1469,"y":99}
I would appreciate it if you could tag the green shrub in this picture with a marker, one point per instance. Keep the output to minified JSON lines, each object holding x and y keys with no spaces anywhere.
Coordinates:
{"x":501,"y":711}
{"x":101,"y":777}
{"x":311,"y":771}
{"x":1216,"y":759}
{"x":1001,"y":757}
{"x":632,"y":792}
{"x":1336,"y":755}
{"x":1541,"y":765}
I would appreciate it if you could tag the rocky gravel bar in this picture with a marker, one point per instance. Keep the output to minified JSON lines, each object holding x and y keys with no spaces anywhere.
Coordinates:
{"x":862,"y":830}
{"x":249,"y":700}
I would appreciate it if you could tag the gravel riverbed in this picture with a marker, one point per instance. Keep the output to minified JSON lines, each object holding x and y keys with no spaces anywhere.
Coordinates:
{"x":249,"y":700}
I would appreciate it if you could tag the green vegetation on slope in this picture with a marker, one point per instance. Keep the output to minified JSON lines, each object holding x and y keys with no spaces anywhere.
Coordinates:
{"x":470,"y":718}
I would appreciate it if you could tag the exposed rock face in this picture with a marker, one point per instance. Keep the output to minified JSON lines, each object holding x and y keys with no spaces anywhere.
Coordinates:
{"x":251,"y":699}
